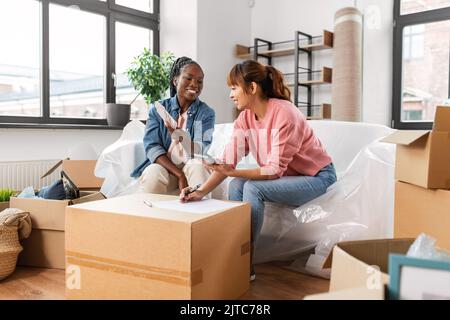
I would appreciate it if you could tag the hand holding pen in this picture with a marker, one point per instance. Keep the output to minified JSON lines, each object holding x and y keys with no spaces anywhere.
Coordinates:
{"x":189,"y":194}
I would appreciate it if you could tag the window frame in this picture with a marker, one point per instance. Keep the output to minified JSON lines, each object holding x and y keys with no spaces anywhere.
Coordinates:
{"x":113,"y":13}
{"x":400,"y":22}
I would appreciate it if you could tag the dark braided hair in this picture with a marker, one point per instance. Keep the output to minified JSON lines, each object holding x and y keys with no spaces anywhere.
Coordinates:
{"x":179,"y":64}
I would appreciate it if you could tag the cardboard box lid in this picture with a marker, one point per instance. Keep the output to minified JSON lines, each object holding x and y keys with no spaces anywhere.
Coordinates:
{"x":405,"y":137}
{"x":372,"y":252}
{"x":52,"y":169}
{"x":442,"y":119}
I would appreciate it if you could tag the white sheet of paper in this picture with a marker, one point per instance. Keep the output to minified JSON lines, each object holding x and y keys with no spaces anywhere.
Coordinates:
{"x":200,"y":207}
{"x":165,"y":115}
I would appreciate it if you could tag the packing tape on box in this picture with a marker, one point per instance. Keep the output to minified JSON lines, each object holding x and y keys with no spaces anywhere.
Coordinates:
{"x":182,"y":278}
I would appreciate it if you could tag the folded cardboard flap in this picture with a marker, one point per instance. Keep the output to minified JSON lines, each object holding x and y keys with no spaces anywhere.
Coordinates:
{"x":372,"y":252}
{"x":81,"y":172}
{"x":442,"y":119}
{"x":406,"y":137}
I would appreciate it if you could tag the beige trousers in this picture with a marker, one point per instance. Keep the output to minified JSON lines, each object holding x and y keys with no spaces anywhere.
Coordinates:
{"x":156,"y":178}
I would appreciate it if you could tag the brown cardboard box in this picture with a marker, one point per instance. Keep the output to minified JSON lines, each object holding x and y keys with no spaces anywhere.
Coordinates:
{"x":45,"y":246}
{"x":423,"y":157}
{"x":352,"y":272}
{"x":120,"y":248}
{"x":81,"y":172}
{"x":4,"y":205}
{"x":420,"y":210}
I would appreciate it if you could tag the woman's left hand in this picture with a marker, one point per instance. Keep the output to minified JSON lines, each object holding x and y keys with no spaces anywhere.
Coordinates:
{"x":225,"y":169}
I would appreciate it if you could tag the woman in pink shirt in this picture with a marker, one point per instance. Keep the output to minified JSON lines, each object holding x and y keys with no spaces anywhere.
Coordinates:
{"x":294,"y":168}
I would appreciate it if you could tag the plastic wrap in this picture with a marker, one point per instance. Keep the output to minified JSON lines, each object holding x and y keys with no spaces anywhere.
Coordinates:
{"x":424,"y":247}
{"x":358,"y":206}
{"x":118,"y":160}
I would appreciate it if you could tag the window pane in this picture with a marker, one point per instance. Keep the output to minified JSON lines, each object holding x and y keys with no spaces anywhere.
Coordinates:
{"x":142,"y":5}
{"x":19,"y":58}
{"x":77,"y":51}
{"x":425,"y":71}
{"x":413,"y":6}
{"x":130,"y":42}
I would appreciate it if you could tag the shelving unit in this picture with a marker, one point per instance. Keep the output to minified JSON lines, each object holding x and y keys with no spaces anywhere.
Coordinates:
{"x":302,"y":76}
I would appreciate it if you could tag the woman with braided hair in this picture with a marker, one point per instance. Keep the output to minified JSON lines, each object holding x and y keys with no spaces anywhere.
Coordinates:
{"x":294,"y":168}
{"x":169,"y":166}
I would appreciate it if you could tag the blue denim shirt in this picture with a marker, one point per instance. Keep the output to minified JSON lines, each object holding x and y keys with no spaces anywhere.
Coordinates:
{"x":157,"y":139}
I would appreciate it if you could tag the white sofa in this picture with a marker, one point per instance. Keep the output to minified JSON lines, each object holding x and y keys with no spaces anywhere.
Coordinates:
{"x":359,"y":205}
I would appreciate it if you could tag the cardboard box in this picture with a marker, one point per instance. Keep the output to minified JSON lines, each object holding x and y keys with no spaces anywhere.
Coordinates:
{"x":4,"y":205}
{"x":80,"y":172}
{"x":423,"y":157}
{"x":359,"y":268}
{"x":418,"y":210}
{"x":45,"y":246}
{"x":120,"y":248}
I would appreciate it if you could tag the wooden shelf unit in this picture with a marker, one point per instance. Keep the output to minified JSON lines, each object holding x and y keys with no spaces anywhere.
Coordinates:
{"x":302,"y":44}
{"x":325,"y":113}
{"x":326,"y":77}
{"x":244,"y":52}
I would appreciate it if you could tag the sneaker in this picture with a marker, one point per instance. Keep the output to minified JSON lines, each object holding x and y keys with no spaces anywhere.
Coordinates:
{"x":252,"y":274}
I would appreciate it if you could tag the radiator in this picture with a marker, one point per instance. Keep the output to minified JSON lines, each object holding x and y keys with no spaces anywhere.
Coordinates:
{"x":17,"y":175}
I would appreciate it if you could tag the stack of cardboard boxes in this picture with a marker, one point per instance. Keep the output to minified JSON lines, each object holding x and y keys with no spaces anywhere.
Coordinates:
{"x":45,"y":246}
{"x":422,"y":205}
{"x":422,"y":172}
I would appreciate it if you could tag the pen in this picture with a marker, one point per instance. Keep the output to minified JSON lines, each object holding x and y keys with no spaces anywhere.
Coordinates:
{"x":148,"y":203}
{"x":192,"y":189}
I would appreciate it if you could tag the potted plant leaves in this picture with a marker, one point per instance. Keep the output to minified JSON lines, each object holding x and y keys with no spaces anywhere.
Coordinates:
{"x":5,"y":194}
{"x":149,"y":74}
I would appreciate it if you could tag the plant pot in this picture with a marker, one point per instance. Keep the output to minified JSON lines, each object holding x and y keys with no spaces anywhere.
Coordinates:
{"x":117,"y":114}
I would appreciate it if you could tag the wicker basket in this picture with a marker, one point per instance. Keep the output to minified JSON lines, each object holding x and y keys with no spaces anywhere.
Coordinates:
{"x":9,"y":250}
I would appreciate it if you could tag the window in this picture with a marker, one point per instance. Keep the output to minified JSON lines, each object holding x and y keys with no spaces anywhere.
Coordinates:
{"x":413,"y":42}
{"x":65,"y":59}
{"x":130,"y":41}
{"x":421,"y":63}
{"x":19,"y":58}
{"x":414,"y":6}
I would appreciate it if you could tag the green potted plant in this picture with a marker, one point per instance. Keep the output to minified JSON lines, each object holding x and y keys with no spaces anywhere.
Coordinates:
{"x":5,"y":194}
{"x":149,"y":74}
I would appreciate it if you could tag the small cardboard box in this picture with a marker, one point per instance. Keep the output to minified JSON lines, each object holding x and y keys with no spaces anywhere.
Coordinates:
{"x":45,"y":246}
{"x":4,"y":205}
{"x":423,"y":157}
{"x":418,"y":210}
{"x":81,"y":173}
{"x":120,"y":248}
{"x":359,"y":268}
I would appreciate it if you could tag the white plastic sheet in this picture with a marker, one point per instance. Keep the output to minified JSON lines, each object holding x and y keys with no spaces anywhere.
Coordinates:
{"x":118,"y":160}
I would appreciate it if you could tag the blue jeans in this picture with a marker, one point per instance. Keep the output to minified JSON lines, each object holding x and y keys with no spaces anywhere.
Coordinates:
{"x":289,"y":190}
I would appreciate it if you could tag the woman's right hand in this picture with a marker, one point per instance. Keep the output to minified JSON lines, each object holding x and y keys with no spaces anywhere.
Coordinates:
{"x":193,"y":196}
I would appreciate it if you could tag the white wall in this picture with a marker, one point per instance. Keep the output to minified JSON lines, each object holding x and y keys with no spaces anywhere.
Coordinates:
{"x":45,"y":144}
{"x":178,"y":29}
{"x":377,"y":60}
{"x":221,"y":25}
{"x":277,"y":22}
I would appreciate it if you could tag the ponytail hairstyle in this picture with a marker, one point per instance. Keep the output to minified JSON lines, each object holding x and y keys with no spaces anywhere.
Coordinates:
{"x":179,"y":64}
{"x":269,"y":79}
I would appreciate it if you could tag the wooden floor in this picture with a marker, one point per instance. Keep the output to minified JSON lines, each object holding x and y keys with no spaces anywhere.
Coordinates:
{"x":273,"y":282}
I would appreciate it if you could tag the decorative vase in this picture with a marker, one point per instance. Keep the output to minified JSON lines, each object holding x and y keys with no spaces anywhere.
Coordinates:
{"x":117,"y":114}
